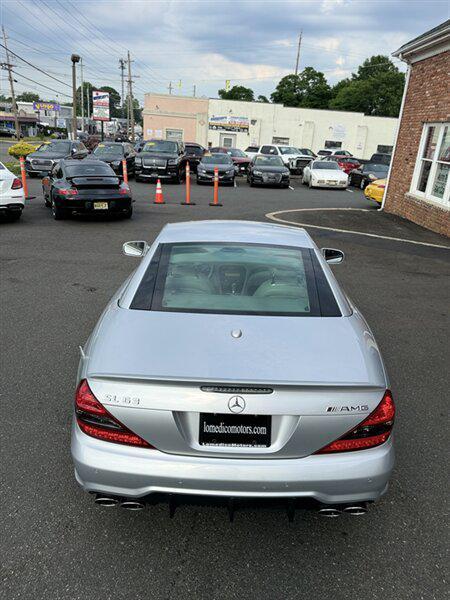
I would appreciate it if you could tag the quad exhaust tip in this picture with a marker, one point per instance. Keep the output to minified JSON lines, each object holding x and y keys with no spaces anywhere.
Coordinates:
{"x":107,"y":501}
{"x":132,"y":505}
{"x":332,"y":512}
{"x":356,"y":509}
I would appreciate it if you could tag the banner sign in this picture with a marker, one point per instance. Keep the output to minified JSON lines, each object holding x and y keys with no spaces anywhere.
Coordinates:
{"x":46,"y":106}
{"x":229,"y":123}
{"x":100,"y":105}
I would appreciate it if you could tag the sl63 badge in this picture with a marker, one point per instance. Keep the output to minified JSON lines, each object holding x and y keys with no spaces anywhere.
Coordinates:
{"x":123,"y":400}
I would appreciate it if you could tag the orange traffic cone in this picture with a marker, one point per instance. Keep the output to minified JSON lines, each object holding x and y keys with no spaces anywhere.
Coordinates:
{"x":159,"y":198}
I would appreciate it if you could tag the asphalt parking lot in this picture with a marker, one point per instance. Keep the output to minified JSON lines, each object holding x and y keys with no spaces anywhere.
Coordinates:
{"x":56,"y":279}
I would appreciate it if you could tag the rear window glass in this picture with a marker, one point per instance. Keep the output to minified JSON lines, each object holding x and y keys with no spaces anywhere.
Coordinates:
{"x":196,"y":150}
{"x":89,"y":168}
{"x":234,"y":278}
{"x":328,"y":165}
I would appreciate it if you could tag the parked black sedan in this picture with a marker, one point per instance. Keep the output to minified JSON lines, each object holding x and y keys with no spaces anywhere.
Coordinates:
{"x":365,"y":174}
{"x":114,"y":153}
{"x":41,"y":162}
{"x":225,"y":167}
{"x":268,"y":170}
{"x":161,"y":159}
{"x":85,"y":186}
{"x":194,"y":153}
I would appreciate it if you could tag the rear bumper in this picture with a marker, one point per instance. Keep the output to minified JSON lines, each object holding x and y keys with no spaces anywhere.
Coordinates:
{"x":85,"y":206}
{"x":137,"y":472}
{"x":11,"y":205}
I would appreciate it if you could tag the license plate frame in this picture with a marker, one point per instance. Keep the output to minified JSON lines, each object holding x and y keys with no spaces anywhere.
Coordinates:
{"x":100,"y":206}
{"x":222,"y":437}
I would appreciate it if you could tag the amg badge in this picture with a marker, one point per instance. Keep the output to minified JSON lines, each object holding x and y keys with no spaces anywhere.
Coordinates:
{"x":358,"y":408}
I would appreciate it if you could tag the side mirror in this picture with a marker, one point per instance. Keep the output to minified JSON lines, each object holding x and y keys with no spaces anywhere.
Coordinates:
{"x":135,"y":249}
{"x":333,"y":256}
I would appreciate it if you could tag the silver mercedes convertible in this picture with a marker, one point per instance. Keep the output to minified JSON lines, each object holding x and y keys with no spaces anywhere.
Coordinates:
{"x":230,"y":363}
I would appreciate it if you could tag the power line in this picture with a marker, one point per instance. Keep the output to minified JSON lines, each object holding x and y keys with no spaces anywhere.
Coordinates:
{"x":41,"y":85}
{"x":34,"y":67}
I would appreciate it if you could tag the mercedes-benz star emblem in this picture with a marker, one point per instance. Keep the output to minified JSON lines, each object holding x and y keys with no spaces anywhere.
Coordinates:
{"x":236,"y":404}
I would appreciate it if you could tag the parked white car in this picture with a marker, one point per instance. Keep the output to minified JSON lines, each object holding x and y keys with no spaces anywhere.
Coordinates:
{"x":12,"y":198}
{"x":251,"y":151}
{"x":320,"y":173}
{"x":288,"y":154}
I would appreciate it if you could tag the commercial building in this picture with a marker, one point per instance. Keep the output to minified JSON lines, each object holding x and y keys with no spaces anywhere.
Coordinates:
{"x":419,"y":182}
{"x":230,"y":123}
{"x":27,"y":120}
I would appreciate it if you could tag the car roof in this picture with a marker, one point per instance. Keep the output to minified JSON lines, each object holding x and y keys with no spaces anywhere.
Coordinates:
{"x":235,"y":231}
{"x":69,"y":162}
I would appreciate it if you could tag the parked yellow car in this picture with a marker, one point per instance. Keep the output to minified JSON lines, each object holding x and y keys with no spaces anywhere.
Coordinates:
{"x":375,"y":190}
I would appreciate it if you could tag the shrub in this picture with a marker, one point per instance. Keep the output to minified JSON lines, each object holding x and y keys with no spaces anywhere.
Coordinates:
{"x":13,"y":167}
{"x":21,"y":149}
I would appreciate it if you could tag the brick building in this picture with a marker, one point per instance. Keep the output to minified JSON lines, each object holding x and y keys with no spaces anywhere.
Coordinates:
{"x":419,"y":183}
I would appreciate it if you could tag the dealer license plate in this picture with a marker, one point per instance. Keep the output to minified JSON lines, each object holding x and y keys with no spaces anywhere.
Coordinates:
{"x":100,"y":206}
{"x":239,"y":431}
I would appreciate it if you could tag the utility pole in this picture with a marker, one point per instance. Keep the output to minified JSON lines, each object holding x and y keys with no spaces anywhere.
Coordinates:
{"x":169,"y":87}
{"x":74,"y":58}
{"x":122,"y":79}
{"x":82,"y":94}
{"x":11,"y":84}
{"x":194,"y":89}
{"x":298,"y":52}
{"x":130,"y":97}
{"x":88,"y":98}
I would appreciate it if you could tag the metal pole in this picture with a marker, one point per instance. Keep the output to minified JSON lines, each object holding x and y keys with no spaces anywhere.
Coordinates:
{"x":82,"y":94}
{"x":11,"y":84}
{"x":74,"y":58}
{"x":88,"y":99}
{"x":298,"y":52}
{"x":131,"y":98}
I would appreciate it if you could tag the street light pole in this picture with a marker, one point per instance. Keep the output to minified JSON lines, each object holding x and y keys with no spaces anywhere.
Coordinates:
{"x":74,"y":58}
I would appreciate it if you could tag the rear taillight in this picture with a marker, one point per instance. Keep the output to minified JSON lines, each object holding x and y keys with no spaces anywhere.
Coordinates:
{"x":124,"y":189}
{"x":16,"y":184}
{"x":68,"y":192}
{"x":372,"y":432}
{"x":93,"y":419}
{"x":381,"y":185}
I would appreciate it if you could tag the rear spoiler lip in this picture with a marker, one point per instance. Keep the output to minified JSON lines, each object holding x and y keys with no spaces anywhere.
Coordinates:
{"x":93,"y":177}
{"x":196,"y":381}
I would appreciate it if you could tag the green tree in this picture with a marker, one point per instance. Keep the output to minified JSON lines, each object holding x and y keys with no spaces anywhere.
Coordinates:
{"x":262,"y":98}
{"x":237,"y":92}
{"x":28,"y":97}
{"x":309,"y":89}
{"x":87,"y":96}
{"x":375,"y":89}
{"x":374,"y":67}
{"x":137,"y":110}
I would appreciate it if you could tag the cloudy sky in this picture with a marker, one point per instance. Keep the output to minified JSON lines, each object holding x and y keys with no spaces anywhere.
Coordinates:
{"x":203,"y":42}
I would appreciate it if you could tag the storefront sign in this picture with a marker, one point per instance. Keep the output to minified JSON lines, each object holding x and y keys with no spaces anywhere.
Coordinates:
{"x":229,"y":123}
{"x":46,"y":106}
{"x":338,"y":132}
{"x":100,"y":106}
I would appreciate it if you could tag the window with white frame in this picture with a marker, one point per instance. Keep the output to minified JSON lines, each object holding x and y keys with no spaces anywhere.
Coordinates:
{"x":431,"y":175}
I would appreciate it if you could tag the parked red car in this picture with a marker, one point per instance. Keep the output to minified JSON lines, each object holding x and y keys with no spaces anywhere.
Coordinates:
{"x":345,"y":163}
{"x":239,"y":158}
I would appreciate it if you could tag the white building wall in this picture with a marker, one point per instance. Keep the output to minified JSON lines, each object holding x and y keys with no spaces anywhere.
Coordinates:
{"x":303,"y":127}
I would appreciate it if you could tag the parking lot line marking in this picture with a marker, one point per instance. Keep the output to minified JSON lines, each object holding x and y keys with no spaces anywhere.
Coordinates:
{"x":291,"y":188}
{"x":347,"y":190}
{"x":272,"y":216}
